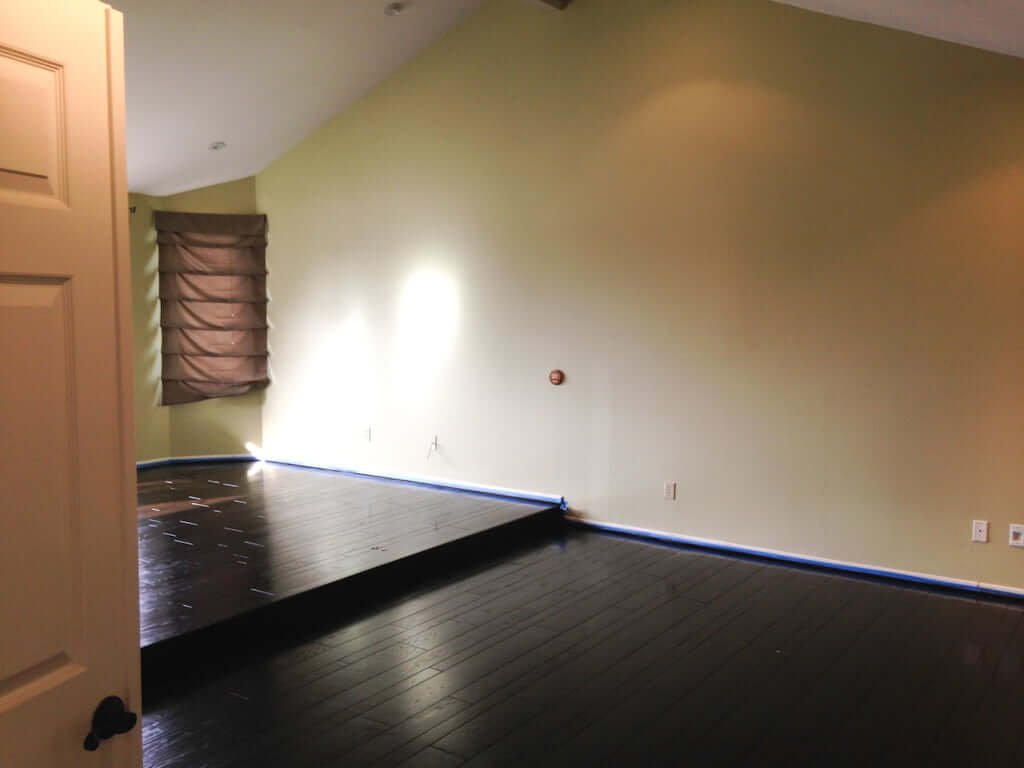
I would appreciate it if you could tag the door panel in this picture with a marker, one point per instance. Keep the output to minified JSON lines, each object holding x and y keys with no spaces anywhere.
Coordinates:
{"x":32,"y":157}
{"x":37,"y":404}
{"x":68,"y":559}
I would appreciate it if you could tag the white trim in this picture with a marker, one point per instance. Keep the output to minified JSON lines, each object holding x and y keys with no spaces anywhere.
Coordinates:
{"x":1000,"y":588}
{"x":775,"y":554}
{"x":494,"y":490}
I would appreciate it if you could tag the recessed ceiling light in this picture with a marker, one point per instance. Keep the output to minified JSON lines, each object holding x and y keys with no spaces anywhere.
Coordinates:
{"x":218,"y":145}
{"x":393,"y":9}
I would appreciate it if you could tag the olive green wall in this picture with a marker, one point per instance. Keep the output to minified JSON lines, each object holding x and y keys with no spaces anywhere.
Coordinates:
{"x":780,"y":257}
{"x":152,"y":422}
{"x":212,"y":427}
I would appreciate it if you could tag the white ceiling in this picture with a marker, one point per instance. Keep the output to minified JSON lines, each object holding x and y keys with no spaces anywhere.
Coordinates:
{"x":995,"y":25}
{"x":259,"y":75}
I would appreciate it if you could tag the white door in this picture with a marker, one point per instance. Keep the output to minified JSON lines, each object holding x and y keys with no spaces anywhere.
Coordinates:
{"x":68,"y":579}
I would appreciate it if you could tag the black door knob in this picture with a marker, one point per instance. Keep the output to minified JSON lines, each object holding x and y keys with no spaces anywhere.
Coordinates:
{"x":110,"y":718}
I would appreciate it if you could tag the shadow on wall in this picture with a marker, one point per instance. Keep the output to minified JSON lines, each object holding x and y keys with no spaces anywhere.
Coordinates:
{"x":221,"y":426}
{"x":886,"y":267}
{"x":150,"y":342}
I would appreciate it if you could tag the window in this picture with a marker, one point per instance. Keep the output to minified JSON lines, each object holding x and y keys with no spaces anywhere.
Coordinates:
{"x":213,"y":304}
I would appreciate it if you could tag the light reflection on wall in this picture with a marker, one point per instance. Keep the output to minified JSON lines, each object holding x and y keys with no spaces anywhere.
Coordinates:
{"x":377,"y":358}
{"x":349,"y":361}
{"x":339,"y":394}
{"x":427,"y":326}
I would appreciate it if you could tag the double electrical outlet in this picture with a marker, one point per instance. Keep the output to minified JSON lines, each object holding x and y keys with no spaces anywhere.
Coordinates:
{"x":979,"y":533}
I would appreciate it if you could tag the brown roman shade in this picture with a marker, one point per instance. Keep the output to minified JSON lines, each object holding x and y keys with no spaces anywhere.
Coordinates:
{"x":213,"y":304}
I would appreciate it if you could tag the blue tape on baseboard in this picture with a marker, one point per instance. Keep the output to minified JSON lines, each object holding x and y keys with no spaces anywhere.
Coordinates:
{"x":481,"y":491}
{"x":153,"y":463}
{"x":470,"y":490}
{"x":831,"y":565}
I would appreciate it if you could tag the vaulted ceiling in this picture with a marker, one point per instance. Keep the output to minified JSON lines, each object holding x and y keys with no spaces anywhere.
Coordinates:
{"x":256,"y":75}
{"x":995,"y":25}
{"x":260,"y":76}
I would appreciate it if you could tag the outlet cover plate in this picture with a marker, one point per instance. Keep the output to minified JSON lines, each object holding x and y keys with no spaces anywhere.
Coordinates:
{"x":979,"y":531}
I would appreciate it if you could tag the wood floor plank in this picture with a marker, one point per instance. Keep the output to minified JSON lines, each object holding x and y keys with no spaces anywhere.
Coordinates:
{"x":218,"y":540}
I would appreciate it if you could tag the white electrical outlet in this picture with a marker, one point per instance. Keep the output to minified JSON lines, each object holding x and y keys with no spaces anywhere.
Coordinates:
{"x":979,"y":531}
{"x":670,"y":491}
{"x":1016,"y":535}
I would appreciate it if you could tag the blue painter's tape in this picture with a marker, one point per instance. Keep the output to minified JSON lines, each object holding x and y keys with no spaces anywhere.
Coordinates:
{"x":193,"y":460}
{"x":517,"y":498}
{"x":682,"y":541}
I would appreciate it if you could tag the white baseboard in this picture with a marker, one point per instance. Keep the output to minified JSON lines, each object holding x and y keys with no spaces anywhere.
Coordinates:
{"x":435,"y":482}
{"x":792,"y":557}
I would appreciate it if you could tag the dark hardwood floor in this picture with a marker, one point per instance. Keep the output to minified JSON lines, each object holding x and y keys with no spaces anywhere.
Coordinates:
{"x":589,"y":649}
{"x":223,"y":539}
